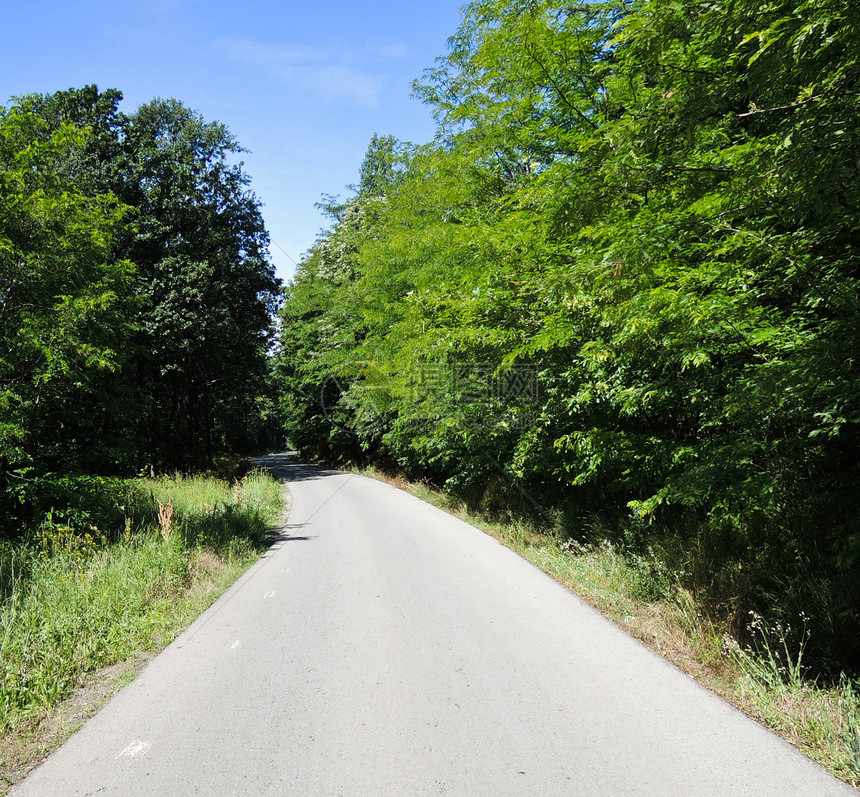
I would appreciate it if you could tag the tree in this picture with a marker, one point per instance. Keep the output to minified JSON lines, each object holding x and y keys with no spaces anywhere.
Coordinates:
{"x":380,"y":165}
{"x":652,"y":205}
{"x":204,"y":287}
{"x":64,"y":299}
{"x":325,"y":318}
{"x":207,"y":287}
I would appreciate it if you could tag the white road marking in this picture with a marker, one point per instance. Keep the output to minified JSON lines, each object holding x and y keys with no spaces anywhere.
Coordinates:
{"x":270,"y":594}
{"x":287,"y":570}
{"x":135,"y":748}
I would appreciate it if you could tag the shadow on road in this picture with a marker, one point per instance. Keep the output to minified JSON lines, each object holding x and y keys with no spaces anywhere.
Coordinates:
{"x":288,"y":469}
{"x":283,"y":534}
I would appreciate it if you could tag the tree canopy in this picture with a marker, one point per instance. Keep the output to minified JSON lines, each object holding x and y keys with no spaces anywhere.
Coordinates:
{"x":621,"y":286}
{"x":137,"y":294}
{"x":65,"y":294}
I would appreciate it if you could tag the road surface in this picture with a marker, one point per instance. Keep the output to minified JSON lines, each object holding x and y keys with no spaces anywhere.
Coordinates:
{"x":382,"y":648}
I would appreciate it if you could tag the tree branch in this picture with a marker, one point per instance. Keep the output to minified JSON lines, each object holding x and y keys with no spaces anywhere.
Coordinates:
{"x":559,"y":91}
{"x":789,"y":107}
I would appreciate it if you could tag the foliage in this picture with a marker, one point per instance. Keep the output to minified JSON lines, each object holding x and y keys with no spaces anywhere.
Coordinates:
{"x":205,"y":282}
{"x":64,"y":296}
{"x":650,"y":210}
{"x":113,"y":367}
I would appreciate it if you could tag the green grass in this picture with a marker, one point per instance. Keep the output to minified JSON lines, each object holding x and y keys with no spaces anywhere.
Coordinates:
{"x":76,"y":599}
{"x":765,"y":678}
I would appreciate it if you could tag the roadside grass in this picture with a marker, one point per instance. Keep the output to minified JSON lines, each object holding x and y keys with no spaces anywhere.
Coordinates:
{"x":766,"y":679}
{"x":76,"y":600}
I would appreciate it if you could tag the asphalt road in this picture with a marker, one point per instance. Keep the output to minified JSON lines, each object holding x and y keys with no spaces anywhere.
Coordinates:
{"x":383,"y":648}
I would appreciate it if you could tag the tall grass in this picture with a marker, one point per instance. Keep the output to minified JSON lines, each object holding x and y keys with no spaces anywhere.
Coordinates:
{"x":74,"y":598}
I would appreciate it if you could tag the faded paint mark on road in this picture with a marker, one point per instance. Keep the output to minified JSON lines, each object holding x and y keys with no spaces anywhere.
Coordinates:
{"x":135,"y":749}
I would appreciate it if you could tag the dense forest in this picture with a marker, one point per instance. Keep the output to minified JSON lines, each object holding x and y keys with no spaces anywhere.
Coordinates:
{"x":618,"y":292}
{"x":136,"y":296}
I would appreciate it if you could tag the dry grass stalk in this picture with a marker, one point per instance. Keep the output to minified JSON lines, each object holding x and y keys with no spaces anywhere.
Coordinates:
{"x":165,"y":518}
{"x":238,"y":491}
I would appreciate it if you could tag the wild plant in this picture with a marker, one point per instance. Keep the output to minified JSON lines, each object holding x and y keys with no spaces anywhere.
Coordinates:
{"x":165,"y":518}
{"x":770,"y":660}
{"x":849,"y":734}
{"x":74,"y":598}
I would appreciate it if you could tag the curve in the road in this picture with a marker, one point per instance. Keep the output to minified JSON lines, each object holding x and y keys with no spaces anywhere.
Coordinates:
{"x":382,"y":647}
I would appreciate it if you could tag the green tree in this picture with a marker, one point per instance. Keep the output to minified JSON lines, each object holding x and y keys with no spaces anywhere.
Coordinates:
{"x":64,"y":300}
{"x":380,"y":165}
{"x":653,"y":206}
{"x":327,"y":399}
{"x":207,"y":286}
{"x":205,"y":289}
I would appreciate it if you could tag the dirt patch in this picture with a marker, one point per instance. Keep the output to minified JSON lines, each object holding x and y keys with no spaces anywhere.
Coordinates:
{"x":656,"y":627}
{"x":203,"y":566}
{"x":26,"y":748}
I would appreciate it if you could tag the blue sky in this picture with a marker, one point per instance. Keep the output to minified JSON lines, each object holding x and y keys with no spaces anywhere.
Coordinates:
{"x":303,"y":85}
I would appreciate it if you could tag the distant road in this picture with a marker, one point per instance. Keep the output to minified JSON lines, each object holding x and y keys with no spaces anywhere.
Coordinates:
{"x":383,"y":648}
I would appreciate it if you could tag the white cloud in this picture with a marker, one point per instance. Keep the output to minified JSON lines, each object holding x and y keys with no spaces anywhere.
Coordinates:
{"x":351,"y":74}
{"x":335,"y":82}
{"x":267,"y":55}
